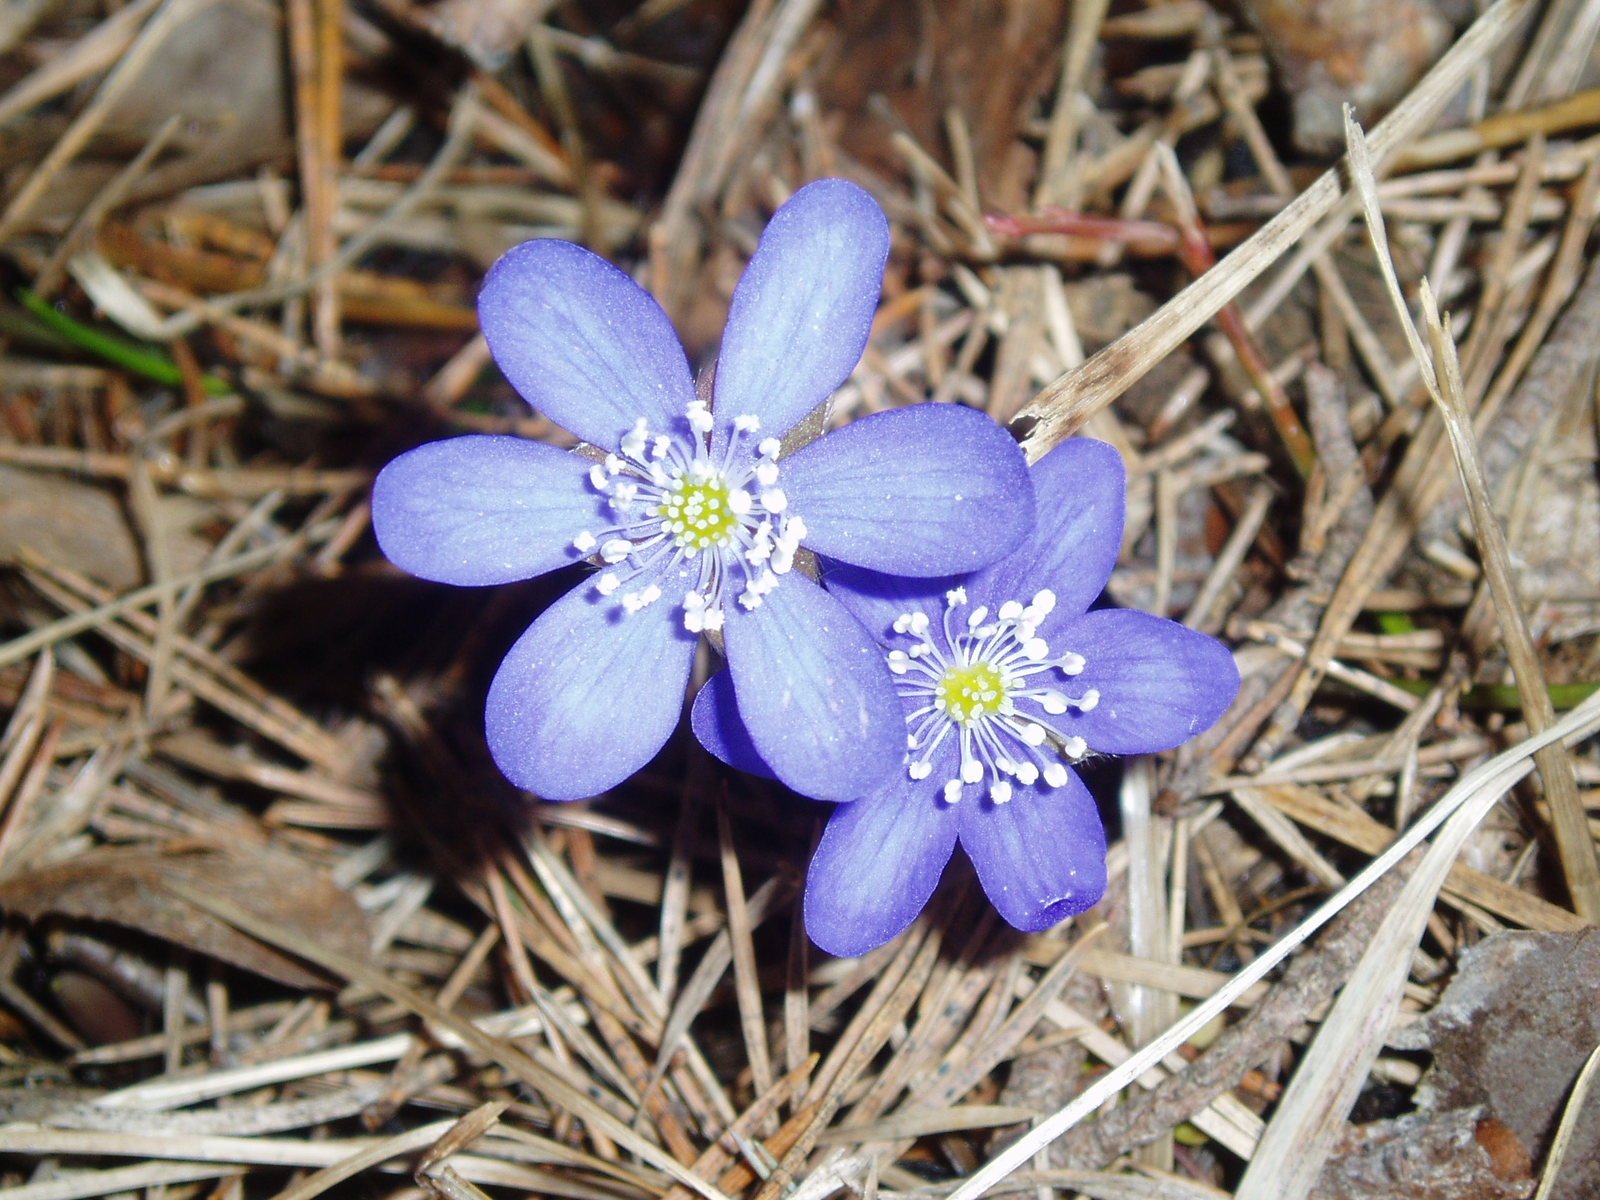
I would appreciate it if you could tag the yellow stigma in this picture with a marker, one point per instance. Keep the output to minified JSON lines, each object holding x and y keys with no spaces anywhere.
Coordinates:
{"x":971,"y":693}
{"x":698,"y":514}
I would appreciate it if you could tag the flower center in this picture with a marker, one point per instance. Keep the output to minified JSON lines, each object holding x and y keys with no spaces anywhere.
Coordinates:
{"x":698,"y":513}
{"x":685,"y":517}
{"x":985,"y":683}
{"x":971,"y":693}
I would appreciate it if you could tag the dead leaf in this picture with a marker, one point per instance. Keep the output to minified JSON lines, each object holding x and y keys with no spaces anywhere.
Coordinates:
{"x":84,"y":527}
{"x":1511,"y":1033}
{"x":73,"y":523}
{"x":1329,"y":53}
{"x":127,"y":887}
{"x":1456,"y":1155}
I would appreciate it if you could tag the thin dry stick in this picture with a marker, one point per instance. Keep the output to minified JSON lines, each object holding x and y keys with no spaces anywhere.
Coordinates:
{"x":1245,"y":117}
{"x":1569,"y":821}
{"x":1308,"y":982}
{"x":317,"y":61}
{"x":1073,"y":398}
{"x":557,"y":1090}
{"x":1417,"y":485}
{"x":196,"y":669}
{"x":1441,"y":372}
{"x":1301,"y":1135}
{"x":1353,"y":827}
{"x":1058,"y":183}
{"x":746,"y":977}
{"x":1492,"y":778}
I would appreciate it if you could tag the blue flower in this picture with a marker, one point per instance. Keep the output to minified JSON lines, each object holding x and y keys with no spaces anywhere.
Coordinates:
{"x":1006,"y":679}
{"x":693,"y":511}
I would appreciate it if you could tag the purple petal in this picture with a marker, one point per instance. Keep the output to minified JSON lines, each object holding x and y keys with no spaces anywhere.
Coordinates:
{"x":928,"y":490}
{"x":803,"y":308}
{"x":480,"y":510}
{"x":1080,"y":491}
{"x":879,"y":861}
{"x":583,"y":343}
{"x":814,"y":692}
{"x":1159,"y":682}
{"x":717,"y":724}
{"x":588,"y":695}
{"x":877,"y":599}
{"x":1041,"y":857}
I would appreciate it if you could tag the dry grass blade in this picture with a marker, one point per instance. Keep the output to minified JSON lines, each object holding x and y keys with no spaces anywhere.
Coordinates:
{"x":1569,"y":1122}
{"x":255,"y":234}
{"x":70,"y":626}
{"x":320,"y":1181}
{"x":752,"y":1021}
{"x":115,"y":1181}
{"x":1301,"y":1133}
{"x":536,"y":1076}
{"x":1441,"y":372}
{"x":1481,"y":786}
{"x":1067,"y":403}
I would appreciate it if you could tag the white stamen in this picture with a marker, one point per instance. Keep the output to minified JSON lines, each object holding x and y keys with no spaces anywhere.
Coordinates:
{"x":635,"y":440}
{"x":634,"y":601}
{"x":715,"y":520}
{"x":607,"y":583}
{"x":761,"y":550}
{"x":991,"y":685}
